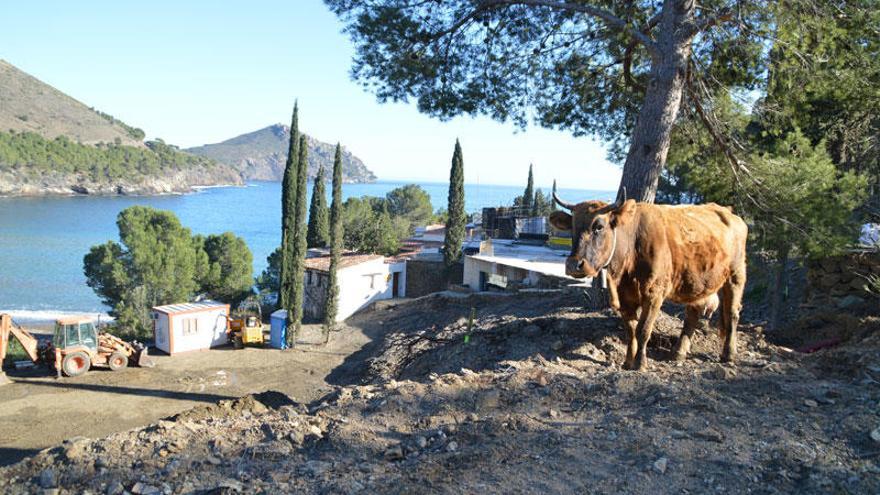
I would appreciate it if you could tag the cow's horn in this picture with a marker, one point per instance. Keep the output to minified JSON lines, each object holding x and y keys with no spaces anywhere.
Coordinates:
{"x":567,"y":206}
{"x":621,"y":198}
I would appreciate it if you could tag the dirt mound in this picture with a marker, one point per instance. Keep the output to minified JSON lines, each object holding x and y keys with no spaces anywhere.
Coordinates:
{"x":531,"y":404}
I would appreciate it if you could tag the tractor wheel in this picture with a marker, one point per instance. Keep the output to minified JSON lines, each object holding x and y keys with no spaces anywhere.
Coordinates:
{"x":117,"y":361}
{"x":75,"y":363}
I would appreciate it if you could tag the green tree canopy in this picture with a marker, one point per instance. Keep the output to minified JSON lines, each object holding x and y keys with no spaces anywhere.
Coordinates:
{"x":618,"y":70}
{"x":456,"y":220}
{"x":229,"y":275}
{"x":158,"y":261}
{"x":319,"y":221}
{"x":412,"y":203}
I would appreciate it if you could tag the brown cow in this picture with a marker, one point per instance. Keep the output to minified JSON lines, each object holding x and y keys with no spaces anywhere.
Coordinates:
{"x":652,"y":253}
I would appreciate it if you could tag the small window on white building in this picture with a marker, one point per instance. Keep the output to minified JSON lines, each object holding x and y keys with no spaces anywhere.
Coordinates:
{"x":190,"y":326}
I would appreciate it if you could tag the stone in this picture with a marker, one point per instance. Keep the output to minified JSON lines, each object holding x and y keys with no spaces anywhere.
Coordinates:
{"x":553,"y":413}
{"x":315,"y":468}
{"x":660,"y":465}
{"x":875,"y":435}
{"x":214,"y":461}
{"x":48,"y":478}
{"x":145,"y":489}
{"x":489,"y":400}
{"x":114,"y":488}
{"x":810,"y":403}
{"x":296,"y":437}
{"x":557,"y":345}
{"x":531,"y":330}
{"x":422,"y":442}
{"x":452,"y":446}
{"x":849,"y":301}
{"x":316,"y":432}
{"x":394,"y":453}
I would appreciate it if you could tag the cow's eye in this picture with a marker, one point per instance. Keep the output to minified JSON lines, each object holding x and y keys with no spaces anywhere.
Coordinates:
{"x":597,"y":227}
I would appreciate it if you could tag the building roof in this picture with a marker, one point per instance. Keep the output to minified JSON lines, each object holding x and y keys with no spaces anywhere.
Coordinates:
{"x":539,"y":259}
{"x":189,"y":307}
{"x":322,"y":263}
{"x":73,"y":320}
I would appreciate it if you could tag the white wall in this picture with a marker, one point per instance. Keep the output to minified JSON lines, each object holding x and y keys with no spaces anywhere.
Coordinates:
{"x":361,"y":285}
{"x":209,"y":331}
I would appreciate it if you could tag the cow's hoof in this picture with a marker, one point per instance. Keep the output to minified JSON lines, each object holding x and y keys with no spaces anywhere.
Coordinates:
{"x":680,"y":357}
{"x":728,"y":359}
{"x":628,"y":365}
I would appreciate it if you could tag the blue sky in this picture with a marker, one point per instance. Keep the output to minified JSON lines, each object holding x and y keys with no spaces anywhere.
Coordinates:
{"x":200,"y":72}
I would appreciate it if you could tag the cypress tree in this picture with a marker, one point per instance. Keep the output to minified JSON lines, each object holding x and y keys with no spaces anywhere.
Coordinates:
{"x":529,"y":194}
{"x":319,"y":228}
{"x":288,"y":203}
{"x":336,"y":234}
{"x":456,"y":219}
{"x":299,"y":247}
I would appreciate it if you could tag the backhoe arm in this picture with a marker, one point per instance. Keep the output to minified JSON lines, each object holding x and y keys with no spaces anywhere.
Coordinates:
{"x":27,"y":341}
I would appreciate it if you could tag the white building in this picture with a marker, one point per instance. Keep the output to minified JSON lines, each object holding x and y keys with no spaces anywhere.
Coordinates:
{"x":189,"y":326}
{"x":502,"y":263}
{"x":363,"y":279}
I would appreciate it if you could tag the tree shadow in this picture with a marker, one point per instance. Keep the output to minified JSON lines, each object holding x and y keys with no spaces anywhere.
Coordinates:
{"x":138,"y":391}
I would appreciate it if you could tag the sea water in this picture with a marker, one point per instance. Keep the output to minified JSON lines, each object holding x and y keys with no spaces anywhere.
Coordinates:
{"x":43,"y":239}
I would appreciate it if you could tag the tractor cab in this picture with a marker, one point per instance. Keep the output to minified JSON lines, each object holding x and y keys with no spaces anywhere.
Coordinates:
{"x":75,"y":332}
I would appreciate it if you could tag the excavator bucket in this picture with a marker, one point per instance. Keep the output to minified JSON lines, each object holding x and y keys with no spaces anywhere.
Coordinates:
{"x":141,"y":356}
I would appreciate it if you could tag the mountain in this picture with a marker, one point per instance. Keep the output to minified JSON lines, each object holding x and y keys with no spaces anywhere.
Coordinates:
{"x":261,"y":155}
{"x":50,"y":143}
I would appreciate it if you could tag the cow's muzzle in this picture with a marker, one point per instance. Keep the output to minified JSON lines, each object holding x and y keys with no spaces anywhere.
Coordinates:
{"x":576,"y":267}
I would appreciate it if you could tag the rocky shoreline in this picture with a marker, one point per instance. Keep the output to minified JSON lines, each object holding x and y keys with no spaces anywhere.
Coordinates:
{"x":17,"y":184}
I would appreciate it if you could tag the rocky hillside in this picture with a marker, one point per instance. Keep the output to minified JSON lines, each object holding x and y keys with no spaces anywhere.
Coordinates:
{"x":50,"y":143}
{"x":529,"y":399}
{"x":261,"y":155}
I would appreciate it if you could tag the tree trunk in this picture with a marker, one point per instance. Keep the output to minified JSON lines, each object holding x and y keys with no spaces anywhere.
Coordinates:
{"x":649,"y":142}
{"x":779,"y":286}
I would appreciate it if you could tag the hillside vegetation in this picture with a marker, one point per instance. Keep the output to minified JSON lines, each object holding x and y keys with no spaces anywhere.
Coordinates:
{"x":51,"y":143}
{"x":260,"y":155}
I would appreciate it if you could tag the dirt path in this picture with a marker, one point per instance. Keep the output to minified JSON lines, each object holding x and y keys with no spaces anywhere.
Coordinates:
{"x":37,"y":410}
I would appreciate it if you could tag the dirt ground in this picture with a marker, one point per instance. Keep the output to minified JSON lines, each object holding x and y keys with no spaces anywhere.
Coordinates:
{"x":37,"y":410}
{"x":530,"y":399}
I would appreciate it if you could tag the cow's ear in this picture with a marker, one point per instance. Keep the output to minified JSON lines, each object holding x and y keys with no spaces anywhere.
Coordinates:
{"x":560,"y":220}
{"x":620,"y":215}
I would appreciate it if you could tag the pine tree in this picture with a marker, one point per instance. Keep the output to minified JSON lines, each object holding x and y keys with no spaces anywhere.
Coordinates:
{"x":336,"y":235}
{"x":288,"y":203}
{"x":529,"y":194}
{"x":298,"y":258}
{"x":456,"y":220}
{"x":319,"y":228}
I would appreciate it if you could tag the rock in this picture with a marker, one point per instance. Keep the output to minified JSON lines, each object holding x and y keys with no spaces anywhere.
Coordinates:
{"x":875,"y":435}
{"x":214,"y":461}
{"x":556,"y":345}
{"x":422,"y":442}
{"x":145,"y":489}
{"x":473,"y":417}
{"x":231,"y":484}
{"x":531,"y":330}
{"x":553,"y":413}
{"x":660,"y":465}
{"x":315,"y":468}
{"x":48,"y":479}
{"x":849,"y":301}
{"x":394,"y":453}
{"x":315,"y":432}
{"x":296,"y":437}
{"x":114,"y":488}
{"x":452,"y":446}
{"x":101,"y":462}
{"x":489,"y":400}
{"x":810,"y":403}
{"x":75,"y":448}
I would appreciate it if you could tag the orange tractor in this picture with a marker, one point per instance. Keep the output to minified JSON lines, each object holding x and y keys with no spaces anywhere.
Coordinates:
{"x":76,"y":346}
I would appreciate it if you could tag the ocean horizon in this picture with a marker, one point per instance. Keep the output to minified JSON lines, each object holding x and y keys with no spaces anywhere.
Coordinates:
{"x":43,"y":239}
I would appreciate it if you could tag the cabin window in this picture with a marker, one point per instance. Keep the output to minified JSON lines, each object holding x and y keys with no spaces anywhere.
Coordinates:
{"x":190,"y":326}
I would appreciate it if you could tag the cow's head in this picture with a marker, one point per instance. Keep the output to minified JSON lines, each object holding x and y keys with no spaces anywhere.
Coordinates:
{"x":592,"y":225}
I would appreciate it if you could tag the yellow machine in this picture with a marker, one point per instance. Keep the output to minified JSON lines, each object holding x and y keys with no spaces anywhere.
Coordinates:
{"x":246,"y":326}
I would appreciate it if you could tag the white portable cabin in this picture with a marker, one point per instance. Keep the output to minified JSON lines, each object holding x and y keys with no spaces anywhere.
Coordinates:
{"x":189,"y":326}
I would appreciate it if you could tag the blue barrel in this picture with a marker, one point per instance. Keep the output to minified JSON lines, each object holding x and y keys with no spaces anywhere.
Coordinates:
{"x":278,"y":329}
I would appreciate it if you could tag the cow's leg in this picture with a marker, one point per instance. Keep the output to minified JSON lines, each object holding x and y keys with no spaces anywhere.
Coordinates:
{"x":691,"y":320}
{"x":731,"y":304}
{"x":630,"y":320}
{"x":650,"y":310}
